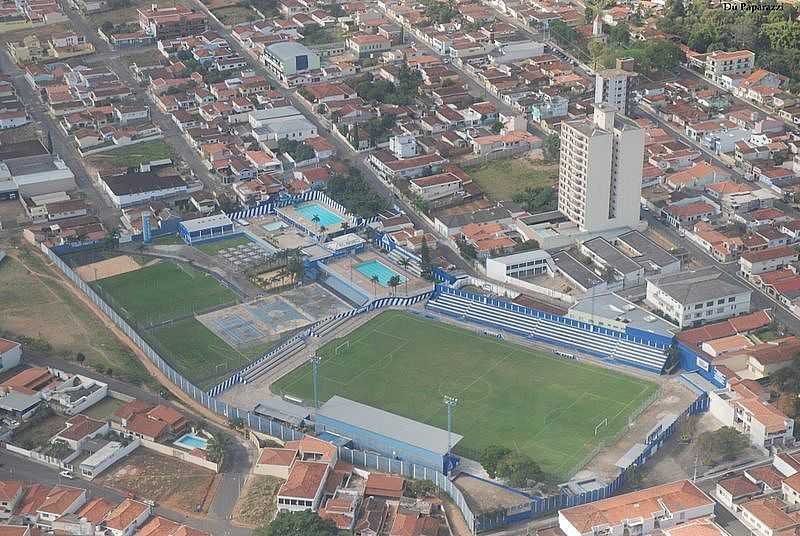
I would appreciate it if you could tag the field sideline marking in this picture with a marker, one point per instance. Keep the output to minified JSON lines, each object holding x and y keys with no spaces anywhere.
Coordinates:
{"x":602,"y":370}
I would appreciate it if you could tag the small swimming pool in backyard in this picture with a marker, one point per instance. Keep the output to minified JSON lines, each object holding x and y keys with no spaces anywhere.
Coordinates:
{"x":326,"y":217}
{"x":376,"y":268}
{"x":191,"y":442}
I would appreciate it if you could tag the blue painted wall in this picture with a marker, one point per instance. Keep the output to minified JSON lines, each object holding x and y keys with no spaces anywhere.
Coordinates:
{"x":368,"y":440}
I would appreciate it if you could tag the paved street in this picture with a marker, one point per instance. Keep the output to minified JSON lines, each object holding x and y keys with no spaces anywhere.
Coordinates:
{"x":62,"y":145}
{"x":238,"y":457}
{"x":759,"y":300}
{"x":13,"y":467}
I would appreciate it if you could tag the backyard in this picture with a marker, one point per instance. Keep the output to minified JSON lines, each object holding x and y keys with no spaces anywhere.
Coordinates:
{"x":38,"y":431}
{"x":501,"y":179}
{"x":38,"y":306}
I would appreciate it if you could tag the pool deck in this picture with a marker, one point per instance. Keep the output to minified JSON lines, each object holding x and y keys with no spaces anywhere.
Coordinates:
{"x":345,"y":267}
{"x":292,"y":213}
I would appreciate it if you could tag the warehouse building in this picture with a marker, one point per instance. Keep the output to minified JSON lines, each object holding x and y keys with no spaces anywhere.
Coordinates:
{"x":393,"y":436}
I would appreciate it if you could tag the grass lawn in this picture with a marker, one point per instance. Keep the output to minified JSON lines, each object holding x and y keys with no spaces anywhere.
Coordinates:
{"x":163,"y":291}
{"x":212,"y":248}
{"x":256,"y":505}
{"x":501,"y":179}
{"x":133,"y":155}
{"x":36,"y":304}
{"x":168,"y":240}
{"x":509,"y":395}
{"x":233,"y":15}
{"x":104,"y":409}
{"x":198,"y":354}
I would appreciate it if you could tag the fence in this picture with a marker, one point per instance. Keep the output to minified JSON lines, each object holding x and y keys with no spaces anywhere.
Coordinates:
{"x":539,"y":505}
{"x":238,"y":376}
{"x":256,"y":422}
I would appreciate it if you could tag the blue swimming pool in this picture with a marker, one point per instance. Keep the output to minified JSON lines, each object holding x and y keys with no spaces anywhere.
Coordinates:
{"x":191,"y":441}
{"x":326,"y":217}
{"x":375,"y":268}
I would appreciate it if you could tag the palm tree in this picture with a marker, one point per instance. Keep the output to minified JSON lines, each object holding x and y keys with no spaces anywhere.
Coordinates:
{"x":345,"y":225}
{"x":404,"y":264}
{"x":393,"y":282}
{"x":322,"y":229}
{"x":315,"y":220}
{"x":375,"y":280}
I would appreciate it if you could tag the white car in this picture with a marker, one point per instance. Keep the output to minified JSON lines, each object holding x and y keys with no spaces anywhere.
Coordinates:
{"x":66,"y":474}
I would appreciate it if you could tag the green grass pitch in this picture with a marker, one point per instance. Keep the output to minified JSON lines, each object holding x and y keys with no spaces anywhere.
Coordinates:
{"x":531,"y":401}
{"x":198,"y":354}
{"x":164,"y":291}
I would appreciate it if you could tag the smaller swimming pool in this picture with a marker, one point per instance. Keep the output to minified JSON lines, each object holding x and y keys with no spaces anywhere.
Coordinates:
{"x":326,"y":217}
{"x":376,"y":268}
{"x":191,"y":441}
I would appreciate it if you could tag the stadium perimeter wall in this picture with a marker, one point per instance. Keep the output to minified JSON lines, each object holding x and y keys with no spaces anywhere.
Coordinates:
{"x":539,"y":506}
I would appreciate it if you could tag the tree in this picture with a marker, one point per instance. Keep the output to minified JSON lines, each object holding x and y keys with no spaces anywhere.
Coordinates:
{"x":491,"y":456}
{"x":80,"y":357}
{"x":305,"y":523}
{"x":564,"y":34}
{"x":497,"y":127}
{"x":405,"y":264}
{"x":785,"y":34}
{"x":393,"y":282}
{"x":724,"y":444}
{"x":536,"y":199}
{"x":107,"y":27}
{"x":425,"y":265}
{"x":551,"y":147}
{"x":215,"y":450}
{"x":619,"y":35}
{"x":420,"y":488}
{"x":296,"y":267}
{"x":375,"y":280}
{"x":528,"y":245}
{"x":315,"y":220}
{"x":519,"y":469}
{"x":467,"y":250}
{"x":787,"y":379}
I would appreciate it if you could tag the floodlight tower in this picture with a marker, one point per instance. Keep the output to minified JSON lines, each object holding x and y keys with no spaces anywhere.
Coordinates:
{"x":315,"y":361}
{"x":450,"y":402}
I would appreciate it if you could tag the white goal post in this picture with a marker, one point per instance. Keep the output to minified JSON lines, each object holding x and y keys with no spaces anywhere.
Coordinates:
{"x":602,"y":423}
{"x":342,"y":346}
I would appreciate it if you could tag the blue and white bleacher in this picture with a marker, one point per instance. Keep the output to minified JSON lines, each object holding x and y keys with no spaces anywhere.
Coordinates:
{"x":617,"y":348}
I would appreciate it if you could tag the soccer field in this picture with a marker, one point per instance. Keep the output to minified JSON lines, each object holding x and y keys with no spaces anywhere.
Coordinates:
{"x":531,"y":401}
{"x":164,"y":291}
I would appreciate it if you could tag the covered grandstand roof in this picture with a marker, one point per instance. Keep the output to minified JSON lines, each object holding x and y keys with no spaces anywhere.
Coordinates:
{"x":387,"y":424}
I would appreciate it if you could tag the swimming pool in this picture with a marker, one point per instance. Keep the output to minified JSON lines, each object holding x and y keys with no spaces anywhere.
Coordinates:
{"x":191,"y":441}
{"x":326,"y":217}
{"x":375,"y":268}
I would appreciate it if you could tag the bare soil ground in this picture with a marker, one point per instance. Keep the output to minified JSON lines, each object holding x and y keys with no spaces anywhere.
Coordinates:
{"x":256,"y":505}
{"x":169,"y":482}
{"x":108,"y":268}
{"x":37,"y":305}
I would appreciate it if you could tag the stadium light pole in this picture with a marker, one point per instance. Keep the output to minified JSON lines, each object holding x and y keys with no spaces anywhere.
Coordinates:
{"x":315,"y":361}
{"x":450,"y":402}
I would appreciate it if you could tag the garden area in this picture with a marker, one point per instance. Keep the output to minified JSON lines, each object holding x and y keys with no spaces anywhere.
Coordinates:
{"x":133,"y":155}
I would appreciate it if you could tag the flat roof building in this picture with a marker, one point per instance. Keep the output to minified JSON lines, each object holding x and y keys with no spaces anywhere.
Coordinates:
{"x":208,"y":228}
{"x":390,"y":434}
{"x":288,"y":58}
{"x":695,"y":297}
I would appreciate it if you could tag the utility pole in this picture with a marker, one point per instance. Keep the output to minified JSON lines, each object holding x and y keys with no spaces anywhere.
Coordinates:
{"x":450,"y":402}
{"x":315,"y":361}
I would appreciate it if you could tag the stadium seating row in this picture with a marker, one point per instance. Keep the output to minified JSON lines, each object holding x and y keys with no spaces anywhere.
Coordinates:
{"x":618,"y":349}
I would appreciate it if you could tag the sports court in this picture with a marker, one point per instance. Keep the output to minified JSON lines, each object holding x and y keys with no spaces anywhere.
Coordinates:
{"x":266,"y":319}
{"x":553,"y":409}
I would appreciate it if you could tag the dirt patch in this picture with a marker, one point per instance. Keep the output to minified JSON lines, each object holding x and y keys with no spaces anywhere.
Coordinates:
{"x":482,"y":496}
{"x":170,"y":482}
{"x":256,"y":505}
{"x":109,"y":268}
{"x":37,"y":433}
{"x":36,"y":304}
{"x":673,"y":398}
{"x":217,"y":4}
{"x":458,"y":525}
